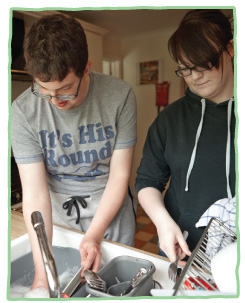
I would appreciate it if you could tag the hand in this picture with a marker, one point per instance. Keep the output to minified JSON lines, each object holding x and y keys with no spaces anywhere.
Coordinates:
{"x":172,"y":241}
{"x":90,"y":253}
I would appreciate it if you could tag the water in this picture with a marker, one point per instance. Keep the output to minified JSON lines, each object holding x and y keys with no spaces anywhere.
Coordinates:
{"x":22,"y":272}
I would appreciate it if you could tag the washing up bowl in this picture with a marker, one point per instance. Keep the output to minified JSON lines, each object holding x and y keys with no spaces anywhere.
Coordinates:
{"x":65,"y":249}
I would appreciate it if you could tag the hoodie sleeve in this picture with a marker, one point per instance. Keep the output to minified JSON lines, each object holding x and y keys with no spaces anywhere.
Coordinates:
{"x":154,"y":170}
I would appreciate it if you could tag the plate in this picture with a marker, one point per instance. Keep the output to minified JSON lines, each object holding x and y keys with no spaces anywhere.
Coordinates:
{"x":223,"y":267}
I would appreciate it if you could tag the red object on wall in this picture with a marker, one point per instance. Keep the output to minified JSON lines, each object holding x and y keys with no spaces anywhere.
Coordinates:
{"x":162,"y":93}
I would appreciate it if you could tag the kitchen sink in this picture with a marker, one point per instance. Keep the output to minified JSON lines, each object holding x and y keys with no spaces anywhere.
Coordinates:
{"x":67,"y":258}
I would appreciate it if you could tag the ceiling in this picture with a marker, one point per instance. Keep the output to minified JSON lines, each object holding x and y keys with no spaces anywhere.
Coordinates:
{"x":123,"y":24}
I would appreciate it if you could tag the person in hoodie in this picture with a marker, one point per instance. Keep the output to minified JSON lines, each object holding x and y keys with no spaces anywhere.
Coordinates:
{"x":191,"y":142}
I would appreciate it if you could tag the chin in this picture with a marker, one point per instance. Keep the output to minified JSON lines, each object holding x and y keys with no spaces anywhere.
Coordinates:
{"x":204,"y":93}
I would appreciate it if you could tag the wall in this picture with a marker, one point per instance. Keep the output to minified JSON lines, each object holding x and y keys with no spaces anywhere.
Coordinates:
{"x":149,"y":47}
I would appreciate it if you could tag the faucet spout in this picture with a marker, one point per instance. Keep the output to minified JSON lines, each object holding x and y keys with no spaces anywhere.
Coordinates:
{"x":48,"y":259}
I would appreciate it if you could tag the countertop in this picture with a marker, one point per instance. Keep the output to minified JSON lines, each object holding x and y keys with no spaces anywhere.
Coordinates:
{"x":18,"y":229}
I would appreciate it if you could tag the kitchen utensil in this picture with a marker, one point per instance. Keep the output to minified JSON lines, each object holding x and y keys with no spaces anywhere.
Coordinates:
{"x":215,"y":238}
{"x":94,"y":280}
{"x":118,"y":288}
{"x":173,"y":267}
{"x":135,"y":281}
{"x":198,"y":284}
{"x":123,"y":268}
{"x":73,"y":284}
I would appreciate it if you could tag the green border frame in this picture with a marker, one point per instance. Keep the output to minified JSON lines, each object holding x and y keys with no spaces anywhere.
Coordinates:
{"x":9,"y":146}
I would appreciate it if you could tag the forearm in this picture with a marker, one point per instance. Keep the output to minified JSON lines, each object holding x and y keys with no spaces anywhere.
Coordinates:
{"x":151,"y":200}
{"x":110,"y":203}
{"x":36,"y":198}
{"x":168,"y":231}
{"x":114,"y":193}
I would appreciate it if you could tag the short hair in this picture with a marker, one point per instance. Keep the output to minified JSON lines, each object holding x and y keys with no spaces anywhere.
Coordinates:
{"x":200,"y":36}
{"x":54,"y":45}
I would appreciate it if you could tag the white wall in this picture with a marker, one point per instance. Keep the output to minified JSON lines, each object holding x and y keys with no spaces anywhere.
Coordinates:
{"x":146,"y":48}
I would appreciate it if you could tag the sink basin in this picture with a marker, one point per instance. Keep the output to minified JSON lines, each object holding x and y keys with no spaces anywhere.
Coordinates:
{"x":65,"y":249}
{"x":67,"y":261}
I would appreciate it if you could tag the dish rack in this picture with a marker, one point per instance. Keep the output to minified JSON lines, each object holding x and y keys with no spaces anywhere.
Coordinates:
{"x":196,"y":274}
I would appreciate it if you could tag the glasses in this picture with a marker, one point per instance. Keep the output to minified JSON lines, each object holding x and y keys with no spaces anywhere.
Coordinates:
{"x":184,"y":72}
{"x":60,"y":97}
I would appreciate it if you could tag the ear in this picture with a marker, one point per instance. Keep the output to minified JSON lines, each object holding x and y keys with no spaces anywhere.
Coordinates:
{"x":230,"y":48}
{"x":87,"y":68}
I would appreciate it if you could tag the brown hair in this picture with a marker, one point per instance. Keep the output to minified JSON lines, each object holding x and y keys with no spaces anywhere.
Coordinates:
{"x":55,"y":45}
{"x":201,"y":35}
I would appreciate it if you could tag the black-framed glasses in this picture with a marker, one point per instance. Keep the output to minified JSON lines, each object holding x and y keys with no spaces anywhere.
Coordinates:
{"x":184,"y":72}
{"x":60,"y":97}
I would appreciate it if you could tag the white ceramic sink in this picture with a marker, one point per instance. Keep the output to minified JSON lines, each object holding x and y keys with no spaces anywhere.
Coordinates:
{"x":67,"y":239}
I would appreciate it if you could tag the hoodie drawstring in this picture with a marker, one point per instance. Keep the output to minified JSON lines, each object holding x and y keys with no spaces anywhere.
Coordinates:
{"x":193,"y":156}
{"x":228,"y":146}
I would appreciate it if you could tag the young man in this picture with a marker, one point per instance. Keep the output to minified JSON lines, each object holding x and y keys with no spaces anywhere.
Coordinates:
{"x":73,"y":135}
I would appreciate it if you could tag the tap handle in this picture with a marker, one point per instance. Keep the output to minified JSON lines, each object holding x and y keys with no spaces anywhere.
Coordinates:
{"x":37,"y":219}
{"x":47,"y":256}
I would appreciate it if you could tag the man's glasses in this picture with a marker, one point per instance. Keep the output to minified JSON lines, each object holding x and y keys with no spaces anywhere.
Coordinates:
{"x":184,"y":72}
{"x":35,"y":91}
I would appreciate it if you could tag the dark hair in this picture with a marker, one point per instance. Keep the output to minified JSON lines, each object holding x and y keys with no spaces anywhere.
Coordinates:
{"x":55,"y":45}
{"x":200,"y":37}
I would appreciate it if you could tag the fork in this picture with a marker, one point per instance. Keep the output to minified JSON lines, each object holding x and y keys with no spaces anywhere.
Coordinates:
{"x":94,"y":280}
{"x":173,"y":268}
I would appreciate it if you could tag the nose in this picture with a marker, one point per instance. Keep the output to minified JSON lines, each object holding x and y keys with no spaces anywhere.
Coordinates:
{"x":54,"y":99}
{"x":196,"y":75}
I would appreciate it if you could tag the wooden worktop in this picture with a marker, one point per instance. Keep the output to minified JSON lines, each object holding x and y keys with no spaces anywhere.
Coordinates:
{"x":18,"y":227}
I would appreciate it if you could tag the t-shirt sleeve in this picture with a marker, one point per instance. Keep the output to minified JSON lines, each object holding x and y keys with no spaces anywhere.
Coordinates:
{"x":126,"y":123}
{"x":25,"y":145}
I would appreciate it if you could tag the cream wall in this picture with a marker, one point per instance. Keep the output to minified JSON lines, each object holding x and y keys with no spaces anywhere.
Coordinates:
{"x":146,"y":48}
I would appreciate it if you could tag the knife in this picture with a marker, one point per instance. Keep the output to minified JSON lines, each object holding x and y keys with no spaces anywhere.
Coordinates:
{"x":73,"y":284}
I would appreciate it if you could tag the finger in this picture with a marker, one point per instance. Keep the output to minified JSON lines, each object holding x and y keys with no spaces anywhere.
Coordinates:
{"x":83,"y":255}
{"x":170,"y":251}
{"x":82,"y":252}
{"x":184,"y":246}
{"x":182,"y":263}
{"x":97,"y":262}
{"x":92,"y":252}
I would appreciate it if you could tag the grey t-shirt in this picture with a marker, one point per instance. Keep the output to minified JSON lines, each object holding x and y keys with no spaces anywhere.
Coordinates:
{"x":75,"y":145}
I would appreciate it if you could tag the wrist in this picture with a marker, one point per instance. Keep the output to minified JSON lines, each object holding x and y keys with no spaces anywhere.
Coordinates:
{"x":95,"y":236}
{"x":162,"y":218}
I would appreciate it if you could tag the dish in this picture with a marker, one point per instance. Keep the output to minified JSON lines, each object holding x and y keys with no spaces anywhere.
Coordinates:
{"x":223,"y":267}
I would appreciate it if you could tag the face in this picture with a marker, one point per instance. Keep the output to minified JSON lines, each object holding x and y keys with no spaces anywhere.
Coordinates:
{"x":68,"y":86}
{"x":216,"y":85}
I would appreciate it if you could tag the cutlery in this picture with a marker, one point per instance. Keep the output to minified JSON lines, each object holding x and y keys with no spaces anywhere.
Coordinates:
{"x":94,"y":280}
{"x":173,"y":267}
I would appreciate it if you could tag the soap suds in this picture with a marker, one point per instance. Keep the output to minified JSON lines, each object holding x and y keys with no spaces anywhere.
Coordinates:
{"x":18,"y":290}
{"x":37,"y":293}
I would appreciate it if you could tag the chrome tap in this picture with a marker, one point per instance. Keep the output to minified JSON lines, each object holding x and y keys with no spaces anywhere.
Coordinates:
{"x":48,"y":259}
